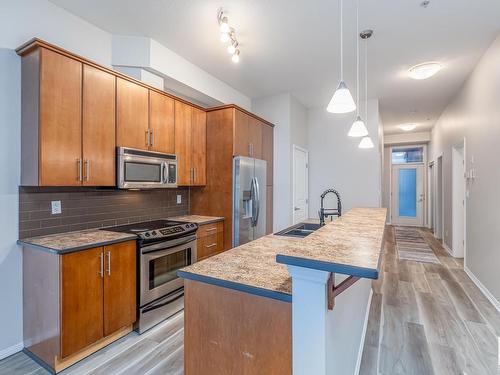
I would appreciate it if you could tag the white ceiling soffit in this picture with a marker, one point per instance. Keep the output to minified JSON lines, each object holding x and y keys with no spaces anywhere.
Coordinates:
{"x":293,"y":45}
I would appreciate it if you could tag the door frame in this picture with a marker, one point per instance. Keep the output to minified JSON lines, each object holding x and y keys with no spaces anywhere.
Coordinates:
{"x":301,"y":149}
{"x":426,"y":180}
{"x":454,"y":151}
{"x":438,"y":198}
{"x":431,"y":196}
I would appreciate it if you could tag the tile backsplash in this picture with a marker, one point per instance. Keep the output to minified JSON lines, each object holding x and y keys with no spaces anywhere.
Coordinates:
{"x":86,"y":208}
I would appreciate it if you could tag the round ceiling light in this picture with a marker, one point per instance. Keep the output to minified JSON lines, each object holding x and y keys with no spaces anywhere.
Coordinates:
{"x":424,"y":70}
{"x":407,"y":127}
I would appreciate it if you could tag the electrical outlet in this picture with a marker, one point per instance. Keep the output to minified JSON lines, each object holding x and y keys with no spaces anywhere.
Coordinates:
{"x":56,"y":207}
{"x":179,"y":199}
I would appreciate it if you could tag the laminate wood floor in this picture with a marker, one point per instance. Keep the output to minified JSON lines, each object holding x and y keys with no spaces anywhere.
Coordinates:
{"x":429,"y":318}
{"x":158,"y":351}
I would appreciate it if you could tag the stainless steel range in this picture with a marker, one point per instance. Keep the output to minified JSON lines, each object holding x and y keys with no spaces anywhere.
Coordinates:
{"x":164,"y":247}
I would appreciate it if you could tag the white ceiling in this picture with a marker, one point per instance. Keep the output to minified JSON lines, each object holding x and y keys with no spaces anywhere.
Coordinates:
{"x":293,"y":46}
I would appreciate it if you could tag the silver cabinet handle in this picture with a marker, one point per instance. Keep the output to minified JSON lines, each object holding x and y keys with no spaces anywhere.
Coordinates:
{"x":86,"y":176}
{"x":249,"y":149}
{"x":210,"y":229}
{"x":101,"y":270}
{"x":109,"y":263}
{"x":194,"y":175}
{"x":211,"y":245}
{"x":147,"y":136}
{"x":152,"y":137}
{"x":79,"y":169}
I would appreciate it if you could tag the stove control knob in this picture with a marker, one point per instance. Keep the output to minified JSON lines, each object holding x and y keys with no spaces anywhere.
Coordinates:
{"x":154,"y":233}
{"x":146,"y":234}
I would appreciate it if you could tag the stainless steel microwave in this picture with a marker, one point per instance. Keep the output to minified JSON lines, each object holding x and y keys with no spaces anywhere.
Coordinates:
{"x":139,"y":169}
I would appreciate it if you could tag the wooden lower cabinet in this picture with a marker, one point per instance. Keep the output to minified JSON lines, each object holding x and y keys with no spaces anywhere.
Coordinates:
{"x":232,"y":332}
{"x":210,"y":240}
{"x":75,"y":304}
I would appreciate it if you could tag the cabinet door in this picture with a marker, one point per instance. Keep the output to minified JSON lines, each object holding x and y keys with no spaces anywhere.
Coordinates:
{"x":119,"y":286}
{"x":241,"y":138}
{"x":98,"y":127}
{"x":269,"y":209}
{"x":161,"y":122}
{"x":199,"y":147}
{"x":60,"y":112}
{"x":255,"y":137}
{"x":267,"y":150}
{"x":81,"y":300}
{"x":183,"y":118}
{"x":132,"y":114}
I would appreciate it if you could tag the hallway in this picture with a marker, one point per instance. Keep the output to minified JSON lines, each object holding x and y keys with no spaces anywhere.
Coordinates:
{"x":427,"y":318}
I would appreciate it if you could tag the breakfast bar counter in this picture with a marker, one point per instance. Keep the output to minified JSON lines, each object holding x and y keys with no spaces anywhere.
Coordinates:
{"x":238,"y":305}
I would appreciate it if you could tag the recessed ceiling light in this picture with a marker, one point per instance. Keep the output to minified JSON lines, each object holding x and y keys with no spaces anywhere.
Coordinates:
{"x":424,"y":70}
{"x":407,"y":127}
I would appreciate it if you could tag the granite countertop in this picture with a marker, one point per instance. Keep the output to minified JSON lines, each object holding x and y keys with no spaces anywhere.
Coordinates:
{"x":62,"y":243}
{"x":349,"y":245}
{"x":198,"y":219}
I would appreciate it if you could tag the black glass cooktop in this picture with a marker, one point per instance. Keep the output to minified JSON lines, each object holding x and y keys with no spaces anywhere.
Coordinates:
{"x":144,"y":226}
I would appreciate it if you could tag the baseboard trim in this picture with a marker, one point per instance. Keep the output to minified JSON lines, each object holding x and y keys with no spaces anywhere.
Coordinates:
{"x":363,"y":334}
{"x":483,"y":289}
{"x":7,"y":352}
{"x":445,"y":246}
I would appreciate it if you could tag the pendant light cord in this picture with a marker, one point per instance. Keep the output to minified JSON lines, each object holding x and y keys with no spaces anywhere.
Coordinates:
{"x":341,"y":42}
{"x":366,"y":81}
{"x":357,"y":57}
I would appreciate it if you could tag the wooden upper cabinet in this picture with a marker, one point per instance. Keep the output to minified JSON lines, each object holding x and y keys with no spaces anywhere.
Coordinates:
{"x":119,"y":286}
{"x":255,"y":137}
{"x":132,"y":101}
{"x":199,"y":147}
{"x":183,"y":119}
{"x":241,"y":138}
{"x":81,"y":300}
{"x":161,"y":123}
{"x":60,"y":112}
{"x":267,"y":150}
{"x":98,"y":127}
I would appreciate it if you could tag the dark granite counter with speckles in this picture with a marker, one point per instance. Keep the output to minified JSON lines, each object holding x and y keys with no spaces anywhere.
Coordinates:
{"x":62,"y":243}
{"x":350,"y":245}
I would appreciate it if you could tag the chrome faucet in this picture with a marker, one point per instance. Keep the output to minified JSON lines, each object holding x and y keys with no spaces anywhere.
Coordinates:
{"x":325,"y":212}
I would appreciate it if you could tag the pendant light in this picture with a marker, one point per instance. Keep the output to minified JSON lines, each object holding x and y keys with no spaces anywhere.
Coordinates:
{"x":358,"y":128}
{"x":342,"y":101}
{"x":366,"y":142}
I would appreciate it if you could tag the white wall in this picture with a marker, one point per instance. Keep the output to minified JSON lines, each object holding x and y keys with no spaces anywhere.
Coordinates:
{"x":21,"y":20}
{"x":290,"y":120}
{"x":335,"y":161}
{"x":474,"y":113}
{"x":407,"y":138}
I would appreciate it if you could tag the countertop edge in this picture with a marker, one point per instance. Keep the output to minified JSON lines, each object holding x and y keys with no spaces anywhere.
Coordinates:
{"x":210,"y":221}
{"x":367,"y":273}
{"x":76,"y":248}
{"x":236,"y":286}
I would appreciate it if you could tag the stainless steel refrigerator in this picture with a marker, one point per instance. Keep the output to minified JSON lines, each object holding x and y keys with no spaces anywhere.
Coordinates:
{"x":249,"y":199}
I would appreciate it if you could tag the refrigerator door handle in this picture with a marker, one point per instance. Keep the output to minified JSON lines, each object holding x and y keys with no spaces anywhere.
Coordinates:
{"x":254,"y":202}
{"x":257,"y":200}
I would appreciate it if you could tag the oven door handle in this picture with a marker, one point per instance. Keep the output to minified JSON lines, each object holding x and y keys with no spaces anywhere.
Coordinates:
{"x":171,"y":244}
{"x":164,"y":301}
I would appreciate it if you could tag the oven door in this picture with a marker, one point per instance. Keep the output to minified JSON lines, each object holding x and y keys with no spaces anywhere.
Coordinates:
{"x":159,"y":265}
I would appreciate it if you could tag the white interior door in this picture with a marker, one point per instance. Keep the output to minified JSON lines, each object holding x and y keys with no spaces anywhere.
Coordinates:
{"x":408,"y":194}
{"x":300,"y":184}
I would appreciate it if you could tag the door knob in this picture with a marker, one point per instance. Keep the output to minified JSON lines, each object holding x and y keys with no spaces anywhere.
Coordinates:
{"x":296,"y":209}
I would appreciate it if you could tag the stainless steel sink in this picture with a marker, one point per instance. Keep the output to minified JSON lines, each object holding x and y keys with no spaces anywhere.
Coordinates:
{"x":299,"y":230}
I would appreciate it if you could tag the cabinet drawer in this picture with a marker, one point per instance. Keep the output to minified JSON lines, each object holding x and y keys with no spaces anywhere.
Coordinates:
{"x":209,"y":229}
{"x":209,"y":245}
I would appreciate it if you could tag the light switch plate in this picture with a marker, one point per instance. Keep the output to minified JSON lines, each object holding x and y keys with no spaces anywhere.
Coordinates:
{"x":179,"y":199}
{"x":56,"y":207}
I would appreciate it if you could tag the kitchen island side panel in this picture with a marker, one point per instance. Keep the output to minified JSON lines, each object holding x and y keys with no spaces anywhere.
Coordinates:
{"x":230,"y":332}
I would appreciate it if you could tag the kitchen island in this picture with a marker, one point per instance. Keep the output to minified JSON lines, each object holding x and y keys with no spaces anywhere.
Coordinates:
{"x":268,"y":306}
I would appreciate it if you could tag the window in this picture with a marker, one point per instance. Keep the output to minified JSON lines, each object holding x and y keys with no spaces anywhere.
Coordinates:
{"x":408,"y":155}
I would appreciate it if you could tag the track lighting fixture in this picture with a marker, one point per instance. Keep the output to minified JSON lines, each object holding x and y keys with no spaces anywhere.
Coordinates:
{"x":228,"y":35}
